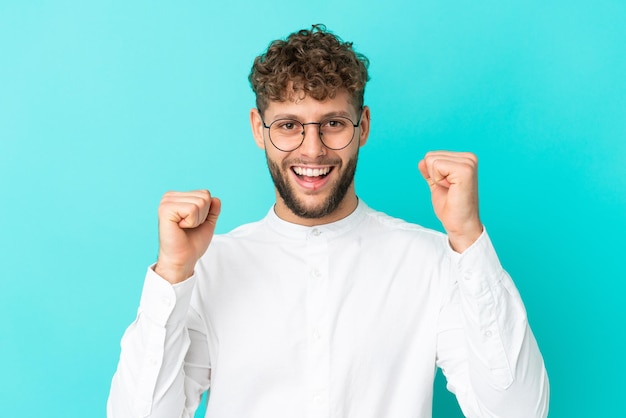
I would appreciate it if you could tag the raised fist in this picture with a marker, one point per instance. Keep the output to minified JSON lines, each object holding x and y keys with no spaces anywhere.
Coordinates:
{"x":186,"y":225}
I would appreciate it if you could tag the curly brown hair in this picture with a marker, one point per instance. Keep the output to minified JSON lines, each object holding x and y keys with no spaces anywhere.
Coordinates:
{"x":313,"y":63}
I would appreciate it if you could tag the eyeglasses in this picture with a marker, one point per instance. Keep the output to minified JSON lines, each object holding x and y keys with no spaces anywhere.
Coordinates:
{"x":335,"y":132}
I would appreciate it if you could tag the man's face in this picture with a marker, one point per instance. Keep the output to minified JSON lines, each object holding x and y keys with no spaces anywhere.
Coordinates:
{"x":314,"y":184}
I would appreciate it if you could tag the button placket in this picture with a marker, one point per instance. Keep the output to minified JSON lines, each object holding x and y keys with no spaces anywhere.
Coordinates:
{"x":318,"y":350}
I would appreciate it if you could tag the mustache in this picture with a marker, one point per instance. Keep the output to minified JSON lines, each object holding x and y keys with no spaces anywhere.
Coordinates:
{"x":311,"y":161}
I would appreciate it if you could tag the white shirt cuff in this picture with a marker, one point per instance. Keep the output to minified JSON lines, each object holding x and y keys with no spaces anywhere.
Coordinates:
{"x":478,"y":266}
{"x":164,"y":303}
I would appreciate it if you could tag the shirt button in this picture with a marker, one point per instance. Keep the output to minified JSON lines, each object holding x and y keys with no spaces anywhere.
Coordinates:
{"x":316,"y":334}
{"x":316,"y":232}
{"x":488,"y":334}
{"x":166,"y":301}
{"x":315,"y":273}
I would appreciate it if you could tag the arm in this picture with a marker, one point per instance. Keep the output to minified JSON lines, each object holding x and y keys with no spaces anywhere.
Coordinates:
{"x":164,"y":340}
{"x":485,"y":346}
{"x":164,"y":364}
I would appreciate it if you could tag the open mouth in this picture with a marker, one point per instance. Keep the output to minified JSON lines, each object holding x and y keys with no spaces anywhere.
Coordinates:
{"x":311,"y":178}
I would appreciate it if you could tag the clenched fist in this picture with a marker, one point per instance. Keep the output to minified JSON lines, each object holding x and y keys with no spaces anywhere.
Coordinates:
{"x":186,"y":225}
{"x":453,"y":181}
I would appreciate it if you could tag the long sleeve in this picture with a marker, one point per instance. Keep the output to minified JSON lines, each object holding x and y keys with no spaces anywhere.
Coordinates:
{"x":485,"y":346}
{"x":158,"y":374}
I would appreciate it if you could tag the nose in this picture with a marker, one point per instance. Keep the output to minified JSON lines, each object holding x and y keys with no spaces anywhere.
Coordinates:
{"x":312,"y":145}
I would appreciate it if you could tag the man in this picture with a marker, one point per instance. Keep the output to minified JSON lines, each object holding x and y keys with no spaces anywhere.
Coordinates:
{"x":326,"y":308}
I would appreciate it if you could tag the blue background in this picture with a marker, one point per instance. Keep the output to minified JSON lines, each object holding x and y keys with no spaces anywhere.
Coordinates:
{"x":106,"y":105}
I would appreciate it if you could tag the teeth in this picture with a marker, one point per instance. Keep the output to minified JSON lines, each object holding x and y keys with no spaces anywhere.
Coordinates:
{"x":311,"y":172}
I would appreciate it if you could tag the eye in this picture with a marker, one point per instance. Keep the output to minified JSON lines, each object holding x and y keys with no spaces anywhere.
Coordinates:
{"x":335,"y":123}
{"x":287,"y":125}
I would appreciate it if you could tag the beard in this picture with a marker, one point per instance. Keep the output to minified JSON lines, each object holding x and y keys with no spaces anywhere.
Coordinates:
{"x":329,"y":205}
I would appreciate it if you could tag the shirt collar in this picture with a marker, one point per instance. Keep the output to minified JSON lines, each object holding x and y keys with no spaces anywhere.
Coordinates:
{"x":327,"y":230}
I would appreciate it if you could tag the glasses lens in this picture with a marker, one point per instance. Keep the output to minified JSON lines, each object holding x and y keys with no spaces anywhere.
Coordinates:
{"x":286,"y":134}
{"x":337,"y":132}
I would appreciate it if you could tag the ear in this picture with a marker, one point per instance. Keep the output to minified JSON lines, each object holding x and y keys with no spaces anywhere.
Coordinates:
{"x":365,"y":126}
{"x":256,"y":123}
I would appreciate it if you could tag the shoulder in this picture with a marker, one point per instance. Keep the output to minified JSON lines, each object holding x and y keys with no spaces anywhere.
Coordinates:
{"x":386,"y":232}
{"x":248,"y":231}
{"x":384,"y":223}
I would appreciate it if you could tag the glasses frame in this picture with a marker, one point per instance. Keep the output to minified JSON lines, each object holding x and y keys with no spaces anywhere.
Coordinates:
{"x":319,"y":131}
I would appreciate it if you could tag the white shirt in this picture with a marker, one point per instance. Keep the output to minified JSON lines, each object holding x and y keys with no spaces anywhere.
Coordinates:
{"x":348,"y":319}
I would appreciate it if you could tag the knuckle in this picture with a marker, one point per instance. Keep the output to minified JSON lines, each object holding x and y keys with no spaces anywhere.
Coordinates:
{"x":467,"y":169}
{"x":192,"y":207}
{"x":168,"y":197}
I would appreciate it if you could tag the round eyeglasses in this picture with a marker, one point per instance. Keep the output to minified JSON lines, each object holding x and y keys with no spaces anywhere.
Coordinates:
{"x":335,"y":132}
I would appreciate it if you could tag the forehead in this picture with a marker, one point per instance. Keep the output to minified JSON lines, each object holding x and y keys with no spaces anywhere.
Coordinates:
{"x":306,"y":107}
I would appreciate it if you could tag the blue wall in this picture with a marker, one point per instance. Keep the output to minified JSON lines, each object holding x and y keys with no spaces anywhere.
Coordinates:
{"x":106,"y":105}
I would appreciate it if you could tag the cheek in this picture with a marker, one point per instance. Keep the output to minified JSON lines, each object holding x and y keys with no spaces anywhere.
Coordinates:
{"x":277,"y":160}
{"x":350,"y":153}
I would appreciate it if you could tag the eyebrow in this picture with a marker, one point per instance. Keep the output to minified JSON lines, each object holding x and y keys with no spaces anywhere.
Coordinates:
{"x":342,"y":113}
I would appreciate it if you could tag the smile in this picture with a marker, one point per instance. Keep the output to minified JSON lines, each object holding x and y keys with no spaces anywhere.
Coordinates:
{"x":311,"y":172}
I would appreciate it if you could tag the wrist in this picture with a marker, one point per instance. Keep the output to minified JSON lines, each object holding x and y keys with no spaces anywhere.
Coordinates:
{"x":173,"y":273}
{"x":461,"y":241}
